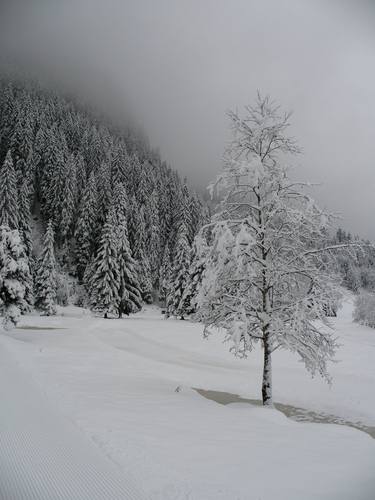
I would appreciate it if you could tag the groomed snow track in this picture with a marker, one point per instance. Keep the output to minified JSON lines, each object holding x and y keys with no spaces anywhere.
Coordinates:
{"x":44,"y":456}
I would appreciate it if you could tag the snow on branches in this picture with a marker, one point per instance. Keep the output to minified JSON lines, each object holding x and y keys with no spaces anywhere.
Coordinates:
{"x":15,"y":278}
{"x":269,"y":274}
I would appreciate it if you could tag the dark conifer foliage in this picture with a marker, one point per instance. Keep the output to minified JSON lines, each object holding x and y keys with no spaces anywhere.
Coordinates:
{"x":46,"y":276}
{"x":105,"y":280}
{"x":62,"y":161}
{"x":8,"y":194}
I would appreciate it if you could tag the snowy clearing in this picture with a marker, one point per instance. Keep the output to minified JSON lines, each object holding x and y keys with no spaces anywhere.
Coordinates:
{"x":116,"y":381}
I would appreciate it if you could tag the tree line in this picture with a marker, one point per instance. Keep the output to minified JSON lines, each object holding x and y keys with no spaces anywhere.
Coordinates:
{"x":116,"y":216}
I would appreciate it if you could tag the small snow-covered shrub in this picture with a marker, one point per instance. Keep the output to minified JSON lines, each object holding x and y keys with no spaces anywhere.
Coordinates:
{"x":63,"y":289}
{"x":80,"y":297}
{"x":364,"y":309}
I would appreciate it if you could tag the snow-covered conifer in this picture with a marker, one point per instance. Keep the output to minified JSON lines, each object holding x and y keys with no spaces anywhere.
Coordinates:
{"x":86,"y":226}
{"x":130,"y":299}
{"x":139,"y":245}
{"x":68,"y":199}
{"x":8,"y":194}
{"x":180,"y":274}
{"x":153,"y":234}
{"x":105,"y":280}
{"x":119,"y":166}
{"x":15,"y":277}
{"x":46,"y":276}
{"x":269,"y":275}
{"x":194,"y":281}
{"x":24,"y":217}
{"x":165,"y":275}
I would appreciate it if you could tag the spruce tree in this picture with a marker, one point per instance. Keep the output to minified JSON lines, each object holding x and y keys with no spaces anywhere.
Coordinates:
{"x":194,"y":280}
{"x":152,"y":228}
{"x":104,"y":190}
{"x":105,"y":280}
{"x":24,"y":217}
{"x":86,"y":227}
{"x":46,"y":276}
{"x":119,"y":165}
{"x":8,"y":194}
{"x":165,"y":275}
{"x":180,"y":274}
{"x":66,"y":215}
{"x":22,"y":137}
{"x":139,"y":244}
{"x":130,"y":299}
{"x":15,"y":277}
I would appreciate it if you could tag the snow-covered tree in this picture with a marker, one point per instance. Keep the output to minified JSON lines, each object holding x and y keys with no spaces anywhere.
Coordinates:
{"x":269,"y":274}
{"x":180,"y":274}
{"x":68,"y":201}
{"x":139,"y":246}
{"x":15,"y":278}
{"x":25,"y":216}
{"x":129,"y":292}
{"x":8,"y":194}
{"x":195,"y":276}
{"x":364,"y":309}
{"x":105,"y":280}
{"x":165,"y":274}
{"x":46,"y":276}
{"x":64,"y":163}
{"x":153,"y":235}
{"x":86,"y":226}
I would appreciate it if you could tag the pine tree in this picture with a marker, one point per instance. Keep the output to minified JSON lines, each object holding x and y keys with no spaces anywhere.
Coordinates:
{"x":153,"y":235}
{"x":46,"y":276}
{"x":133,"y":180}
{"x":180,"y":274}
{"x":194,"y":280}
{"x":68,"y":200}
{"x":8,"y":115}
{"x":138,"y":244}
{"x":130,"y":299}
{"x":86,"y":227}
{"x":105,"y":280}
{"x":8,"y":194}
{"x":15,"y":277}
{"x":22,"y":137}
{"x":104,"y":190}
{"x":24,"y":217}
{"x":119,"y":165}
{"x":165,"y":275}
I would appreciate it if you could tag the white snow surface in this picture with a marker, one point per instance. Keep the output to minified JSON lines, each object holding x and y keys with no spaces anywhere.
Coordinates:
{"x":105,"y":391}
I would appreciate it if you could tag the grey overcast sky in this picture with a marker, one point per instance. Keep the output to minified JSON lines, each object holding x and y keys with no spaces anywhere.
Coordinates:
{"x":180,"y":64}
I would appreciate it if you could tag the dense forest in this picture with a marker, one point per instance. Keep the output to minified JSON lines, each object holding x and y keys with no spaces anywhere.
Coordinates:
{"x":119,"y":222}
{"x":101,"y":220}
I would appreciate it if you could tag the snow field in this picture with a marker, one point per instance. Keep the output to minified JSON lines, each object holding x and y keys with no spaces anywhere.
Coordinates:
{"x":116,"y":380}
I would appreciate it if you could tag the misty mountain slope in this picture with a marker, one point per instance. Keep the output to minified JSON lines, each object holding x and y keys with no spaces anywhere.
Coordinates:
{"x":69,"y":160}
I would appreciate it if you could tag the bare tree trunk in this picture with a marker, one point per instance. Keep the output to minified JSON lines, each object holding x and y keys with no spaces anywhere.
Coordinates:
{"x":267,"y":374}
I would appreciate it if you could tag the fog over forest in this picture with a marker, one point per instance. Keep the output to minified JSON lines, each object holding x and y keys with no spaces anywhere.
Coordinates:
{"x":178,"y":66}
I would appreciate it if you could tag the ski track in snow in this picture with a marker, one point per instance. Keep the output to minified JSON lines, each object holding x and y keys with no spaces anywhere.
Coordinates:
{"x":44,"y":456}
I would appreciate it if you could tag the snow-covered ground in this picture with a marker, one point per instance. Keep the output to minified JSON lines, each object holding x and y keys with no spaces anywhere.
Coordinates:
{"x":115,"y":381}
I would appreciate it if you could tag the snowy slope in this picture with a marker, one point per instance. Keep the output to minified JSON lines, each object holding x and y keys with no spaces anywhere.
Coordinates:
{"x":116,"y":380}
